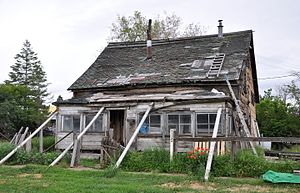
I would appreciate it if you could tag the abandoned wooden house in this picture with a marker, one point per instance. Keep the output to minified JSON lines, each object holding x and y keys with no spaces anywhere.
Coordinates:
{"x":182,"y":79}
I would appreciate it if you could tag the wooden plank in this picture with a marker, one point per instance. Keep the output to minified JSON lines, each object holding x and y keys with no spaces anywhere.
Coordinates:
{"x":28,"y":145}
{"x":212,"y":145}
{"x":172,"y":144}
{"x":41,"y":141}
{"x":240,"y":115}
{"x":237,"y":139}
{"x":18,"y":136}
{"x":23,"y":136}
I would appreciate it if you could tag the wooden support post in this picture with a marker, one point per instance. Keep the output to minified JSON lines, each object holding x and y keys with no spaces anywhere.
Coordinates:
{"x":78,"y":138}
{"x":28,"y":145}
{"x":172,"y":143}
{"x":23,"y":136}
{"x":133,"y":137}
{"x":28,"y":138}
{"x":240,"y":115}
{"x":41,"y":142}
{"x":77,"y":145}
{"x":212,"y":145}
{"x":233,"y":149}
{"x":18,"y":136}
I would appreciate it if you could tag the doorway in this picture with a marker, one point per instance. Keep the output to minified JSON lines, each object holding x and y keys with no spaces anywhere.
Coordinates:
{"x":117,"y":124}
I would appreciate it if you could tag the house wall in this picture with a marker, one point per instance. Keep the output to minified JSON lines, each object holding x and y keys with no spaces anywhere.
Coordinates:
{"x":92,"y":141}
{"x":247,"y":98}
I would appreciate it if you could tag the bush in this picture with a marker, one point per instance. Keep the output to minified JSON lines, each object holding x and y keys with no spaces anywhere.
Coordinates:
{"x":5,"y":148}
{"x":223,"y":165}
{"x":246,"y":163}
{"x":24,"y":157}
{"x":47,"y":142}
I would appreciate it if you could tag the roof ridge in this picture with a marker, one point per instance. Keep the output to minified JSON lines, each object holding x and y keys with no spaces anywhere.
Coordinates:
{"x":171,"y":40}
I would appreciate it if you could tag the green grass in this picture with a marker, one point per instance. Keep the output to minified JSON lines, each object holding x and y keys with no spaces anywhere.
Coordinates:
{"x":33,"y":178}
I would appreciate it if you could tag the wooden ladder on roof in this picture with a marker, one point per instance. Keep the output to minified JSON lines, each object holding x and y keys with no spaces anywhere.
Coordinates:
{"x":240,"y":115}
{"x":216,"y":66}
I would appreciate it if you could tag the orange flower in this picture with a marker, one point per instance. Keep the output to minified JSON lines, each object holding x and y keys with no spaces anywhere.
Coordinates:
{"x":202,"y":152}
{"x":206,"y":149}
{"x":198,"y":149}
{"x":202,"y":149}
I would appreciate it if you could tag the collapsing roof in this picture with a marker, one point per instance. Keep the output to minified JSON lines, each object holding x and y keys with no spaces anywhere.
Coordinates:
{"x":174,"y":61}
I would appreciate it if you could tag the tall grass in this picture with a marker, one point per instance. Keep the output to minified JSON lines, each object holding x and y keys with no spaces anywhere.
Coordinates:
{"x":245,"y":165}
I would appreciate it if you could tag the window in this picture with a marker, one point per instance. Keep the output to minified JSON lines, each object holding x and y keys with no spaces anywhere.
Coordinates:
{"x":206,"y":122}
{"x":96,"y":126}
{"x":180,"y":122}
{"x":152,"y":124}
{"x":70,"y":123}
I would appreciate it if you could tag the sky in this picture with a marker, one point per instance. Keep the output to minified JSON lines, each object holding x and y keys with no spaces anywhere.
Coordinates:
{"x":69,"y":35}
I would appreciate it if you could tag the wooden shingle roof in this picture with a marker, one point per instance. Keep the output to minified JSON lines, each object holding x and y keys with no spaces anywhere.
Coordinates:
{"x":174,"y":61}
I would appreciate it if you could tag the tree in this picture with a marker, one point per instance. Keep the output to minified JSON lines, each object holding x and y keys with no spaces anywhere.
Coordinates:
{"x":28,"y":71}
{"x":276,"y":118}
{"x":18,"y":108}
{"x":134,"y":28}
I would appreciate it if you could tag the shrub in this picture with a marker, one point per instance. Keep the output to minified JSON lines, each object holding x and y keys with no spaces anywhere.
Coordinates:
{"x":5,"y":148}
{"x":223,"y":165}
{"x":47,"y":142}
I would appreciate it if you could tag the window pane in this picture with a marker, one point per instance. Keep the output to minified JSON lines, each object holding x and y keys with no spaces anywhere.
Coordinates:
{"x":76,"y":123}
{"x":212,"y":118}
{"x":185,"y":118}
{"x":173,"y":119}
{"x":98,"y":124}
{"x":202,"y":128}
{"x":67,"y":123}
{"x":185,"y":129}
{"x":155,"y":119}
{"x":202,"y":118}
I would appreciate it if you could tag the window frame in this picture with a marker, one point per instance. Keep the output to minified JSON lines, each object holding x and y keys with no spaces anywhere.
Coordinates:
{"x":180,"y":124}
{"x":210,"y":125}
{"x":149,"y":123}
{"x":62,"y":129}
{"x":102,"y":130}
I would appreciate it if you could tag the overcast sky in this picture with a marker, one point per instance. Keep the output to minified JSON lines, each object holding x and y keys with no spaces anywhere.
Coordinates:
{"x":68,"y":35}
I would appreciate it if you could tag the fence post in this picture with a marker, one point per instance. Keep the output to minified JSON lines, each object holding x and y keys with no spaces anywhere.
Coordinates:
{"x":172,"y":143}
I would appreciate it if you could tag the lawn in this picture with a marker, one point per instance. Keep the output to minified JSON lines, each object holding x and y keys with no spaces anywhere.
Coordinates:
{"x":32,"y":178}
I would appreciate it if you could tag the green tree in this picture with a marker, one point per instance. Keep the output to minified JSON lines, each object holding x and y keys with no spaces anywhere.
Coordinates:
{"x":134,"y":28}
{"x":28,"y":71}
{"x":276,"y":118}
{"x":18,"y":108}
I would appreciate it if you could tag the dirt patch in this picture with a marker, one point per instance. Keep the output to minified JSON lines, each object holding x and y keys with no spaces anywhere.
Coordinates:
{"x":171,"y":185}
{"x":36,"y":176}
{"x":2,"y":181}
{"x":202,"y":186}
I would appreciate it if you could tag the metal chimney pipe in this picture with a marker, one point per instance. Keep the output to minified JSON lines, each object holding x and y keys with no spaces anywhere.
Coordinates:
{"x":220,"y":29}
{"x":149,"y":41}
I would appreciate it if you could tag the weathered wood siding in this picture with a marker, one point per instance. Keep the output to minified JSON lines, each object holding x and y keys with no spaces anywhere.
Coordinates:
{"x":247,"y":97}
{"x":90,"y":141}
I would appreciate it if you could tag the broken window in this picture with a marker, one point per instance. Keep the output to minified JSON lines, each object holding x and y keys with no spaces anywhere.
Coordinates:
{"x":70,"y":123}
{"x":96,"y":126}
{"x":152,"y":124}
{"x":206,"y":122}
{"x":180,"y":122}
